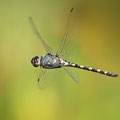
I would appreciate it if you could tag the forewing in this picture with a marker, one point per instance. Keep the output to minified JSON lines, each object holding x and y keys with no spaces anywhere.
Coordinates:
{"x":65,"y":37}
{"x":47,"y":48}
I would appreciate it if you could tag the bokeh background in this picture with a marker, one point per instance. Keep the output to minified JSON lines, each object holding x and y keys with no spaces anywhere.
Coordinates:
{"x":96,"y":43}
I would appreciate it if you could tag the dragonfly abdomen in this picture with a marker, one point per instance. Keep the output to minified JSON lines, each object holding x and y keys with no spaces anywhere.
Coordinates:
{"x":91,"y":69}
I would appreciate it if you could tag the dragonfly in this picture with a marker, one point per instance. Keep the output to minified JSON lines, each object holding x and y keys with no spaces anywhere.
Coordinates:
{"x":54,"y":61}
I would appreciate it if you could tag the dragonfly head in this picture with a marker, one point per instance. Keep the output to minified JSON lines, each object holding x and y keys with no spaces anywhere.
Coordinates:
{"x":35,"y":61}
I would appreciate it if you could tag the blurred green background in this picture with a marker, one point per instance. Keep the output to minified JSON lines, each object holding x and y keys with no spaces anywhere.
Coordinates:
{"x":96,"y":44}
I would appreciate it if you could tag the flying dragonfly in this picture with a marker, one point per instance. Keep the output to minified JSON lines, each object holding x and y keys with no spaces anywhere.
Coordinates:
{"x":54,"y":61}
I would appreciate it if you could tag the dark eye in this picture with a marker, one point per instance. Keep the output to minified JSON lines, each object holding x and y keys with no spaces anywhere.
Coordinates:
{"x":33,"y":62}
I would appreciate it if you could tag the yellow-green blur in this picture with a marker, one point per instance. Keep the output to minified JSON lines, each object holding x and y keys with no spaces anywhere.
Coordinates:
{"x":95,"y":41}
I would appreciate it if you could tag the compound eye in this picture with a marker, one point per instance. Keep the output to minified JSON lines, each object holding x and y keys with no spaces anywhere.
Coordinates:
{"x":37,"y":60}
{"x":33,"y":62}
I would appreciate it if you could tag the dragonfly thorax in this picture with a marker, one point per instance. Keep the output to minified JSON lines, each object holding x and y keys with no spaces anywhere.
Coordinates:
{"x":35,"y":61}
{"x":50,"y":61}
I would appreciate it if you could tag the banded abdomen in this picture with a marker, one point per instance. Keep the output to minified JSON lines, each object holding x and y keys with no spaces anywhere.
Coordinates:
{"x":90,"y":69}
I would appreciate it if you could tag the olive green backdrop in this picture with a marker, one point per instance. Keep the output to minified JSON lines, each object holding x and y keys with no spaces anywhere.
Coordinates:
{"x":95,"y":42}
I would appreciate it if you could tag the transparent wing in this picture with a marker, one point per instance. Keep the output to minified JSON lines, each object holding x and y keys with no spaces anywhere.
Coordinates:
{"x":65,"y":38}
{"x":47,"y":48}
{"x":72,"y":73}
{"x":46,"y":78}
{"x":49,"y":77}
{"x":41,"y":79}
{"x":65,"y":53}
{"x":68,"y":49}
